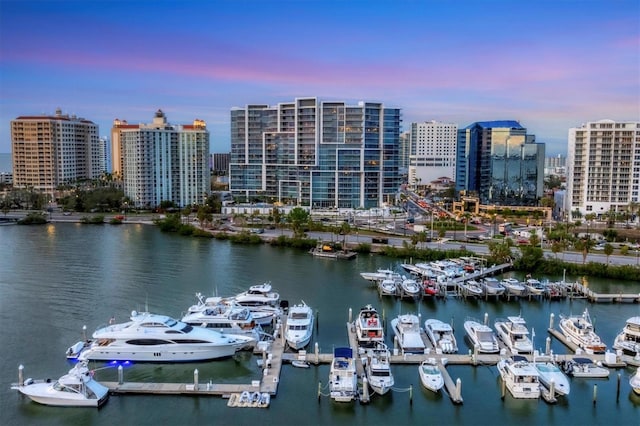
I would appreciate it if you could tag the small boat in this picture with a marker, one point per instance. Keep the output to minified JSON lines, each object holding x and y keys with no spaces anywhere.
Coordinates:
{"x":329,"y":251}
{"x":430,"y":287}
{"x":77,"y":388}
{"x":513,"y":287}
{"x":441,"y":336}
{"x":628,"y":339}
{"x":249,"y":399}
{"x":408,"y":332}
{"x":520,"y":377}
{"x":579,"y":330}
{"x":492,"y":287}
{"x":534,"y":287}
{"x":378,"y":369}
{"x":388,"y":287}
{"x":379,"y":275}
{"x":343,"y":379}
{"x":481,"y":336}
{"x":369,"y":327}
{"x":300,"y":364}
{"x":550,"y":373}
{"x":513,"y":332}
{"x":299,"y":327}
{"x":430,"y":375}
{"x":471,"y":288}
{"x":409,"y":287}
{"x":634,"y":382}
{"x":584,"y":367}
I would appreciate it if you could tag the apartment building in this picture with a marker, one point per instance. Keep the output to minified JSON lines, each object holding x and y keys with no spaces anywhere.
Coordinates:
{"x":51,"y":150}
{"x":433,"y":152}
{"x":603,"y":167}
{"x":317,"y":154}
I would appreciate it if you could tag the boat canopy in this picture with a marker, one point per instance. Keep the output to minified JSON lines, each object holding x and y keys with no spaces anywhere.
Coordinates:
{"x":343,"y":353}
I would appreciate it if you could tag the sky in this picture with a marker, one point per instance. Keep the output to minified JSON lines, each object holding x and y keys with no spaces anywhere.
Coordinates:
{"x":550,"y":64}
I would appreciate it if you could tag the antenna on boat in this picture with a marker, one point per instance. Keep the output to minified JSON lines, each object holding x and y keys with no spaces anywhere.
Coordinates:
{"x":146,"y":303}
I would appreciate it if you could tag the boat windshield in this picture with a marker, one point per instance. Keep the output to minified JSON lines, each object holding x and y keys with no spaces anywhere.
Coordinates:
{"x":170,"y":322}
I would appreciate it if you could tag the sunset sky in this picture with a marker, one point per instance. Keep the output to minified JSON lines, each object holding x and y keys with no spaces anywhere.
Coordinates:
{"x":551,"y":64}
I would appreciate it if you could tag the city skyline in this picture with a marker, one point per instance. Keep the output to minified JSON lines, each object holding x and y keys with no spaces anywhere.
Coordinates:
{"x":552,"y":65}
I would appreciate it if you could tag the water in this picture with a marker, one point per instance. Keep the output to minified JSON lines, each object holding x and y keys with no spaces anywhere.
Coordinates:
{"x":57,"y":278}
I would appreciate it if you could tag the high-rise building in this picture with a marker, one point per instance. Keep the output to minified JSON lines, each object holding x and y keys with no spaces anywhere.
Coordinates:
{"x":162,"y":162}
{"x":316,"y":154}
{"x":501,"y":163}
{"x":51,"y":150}
{"x":603,"y":167}
{"x":433,"y":152}
{"x":220,"y":163}
{"x":556,"y":166}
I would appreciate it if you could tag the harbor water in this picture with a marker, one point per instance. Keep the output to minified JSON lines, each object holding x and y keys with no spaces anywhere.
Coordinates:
{"x":57,"y":278}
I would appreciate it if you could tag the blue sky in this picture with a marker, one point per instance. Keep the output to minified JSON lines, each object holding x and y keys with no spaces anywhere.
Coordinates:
{"x":551,"y":65}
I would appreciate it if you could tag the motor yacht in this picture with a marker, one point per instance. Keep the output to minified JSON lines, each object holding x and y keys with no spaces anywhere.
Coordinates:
{"x":430,"y":375}
{"x":262,"y":314}
{"x":441,"y":336}
{"x":579,"y":330}
{"x":299,"y":327}
{"x":514,"y":333}
{"x":369,"y":327}
{"x":258,"y":295}
{"x":549,"y":373}
{"x":585,"y":367}
{"x":481,"y":336}
{"x":343,"y":379}
{"x":634,"y":382}
{"x":628,"y":339}
{"x":158,"y":338}
{"x":492,"y":286}
{"x":378,"y":369}
{"x":520,"y":377}
{"x":408,"y":333}
{"x":513,"y":287}
{"x":77,"y":388}
{"x":226,"y":319}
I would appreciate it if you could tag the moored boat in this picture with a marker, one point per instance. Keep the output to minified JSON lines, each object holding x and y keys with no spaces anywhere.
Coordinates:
{"x":430,"y":375}
{"x":492,"y":286}
{"x":299,"y":327}
{"x":579,"y":330}
{"x":634,"y":382}
{"x":549,"y":373}
{"x":378,"y":369}
{"x":343,"y":379}
{"x":409,"y":287}
{"x":585,"y":367}
{"x":628,"y":339}
{"x":520,"y":377}
{"x":441,"y":336}
{"x":513,"y":287}
{"x":471,"y":288}
{"x":408,"y":333}
{"x":369,"y":327}
{"x":514,"y":333}
{"x":481,"y":336}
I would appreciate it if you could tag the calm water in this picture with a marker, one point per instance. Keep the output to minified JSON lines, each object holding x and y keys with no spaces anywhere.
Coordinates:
{"x":55,"y":279}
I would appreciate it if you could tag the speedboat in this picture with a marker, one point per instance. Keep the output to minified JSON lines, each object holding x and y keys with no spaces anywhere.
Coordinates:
{"x":430,"y":287}
{"x":513,"y":332}
{"x":430,"y":375}
{"x":343,"y":379}
{"x":441,"y":336}
{"x":158,"y":338}
{"x":471,"y":288}
{"x":378,"y":369}
{"x":579,"y":330}
{"x":379,"y":275}
{"x":409,"y":287}
{"x":551,"y":373}
{"x":408,"y":332}
{"x":77,"y":388}
{"x":628,"y":339}
{"x":585,"y":367}
{"x":388,"y":287}
{"x":481,"y":336}
{"x":534,"y":287}
{"x":299,"y":326}
{"x":513,"y":287}
{"x":369,"y":327}
{"x":520,"y":377}
{"x":492,"y":286}
{"x":226,"y":318}
{"x":634,"y":382}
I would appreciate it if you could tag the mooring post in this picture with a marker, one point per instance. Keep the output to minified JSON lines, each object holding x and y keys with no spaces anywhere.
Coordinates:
{"x":551,"y":317}
{"x":120,"y":375}
{"x":459,"y":389}
{"x":84,"y":333}
{"x":319,"y":391}
{"x":365,"y":390}
{"x":21,"y":375}
{"x":552,"y":390}
{"x":503,"y":388}
{"x":195,"y":379}
{"x":486,"y":318}
{"x":317,"y":350}
{"x":350,"y":315}
{"x":317,"y":321}
{"x":595,"y":393}
{"x":475,"y":354}
{"x":548,"y":345}
{"x":410,"y":394}
{"x":618,"y":389}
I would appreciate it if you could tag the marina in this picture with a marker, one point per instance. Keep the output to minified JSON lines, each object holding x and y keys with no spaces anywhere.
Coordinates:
{"x":471,"y":377}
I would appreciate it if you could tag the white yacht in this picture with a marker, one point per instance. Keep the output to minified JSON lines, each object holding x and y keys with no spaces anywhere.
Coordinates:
{"x":369,"y":327}
{"x":299,"y":326}
{"x":441,"y":336}
{"x":378,"y":369}
{"x":258,"y":295}
{"x":343,"y":379}
{"x":534,"y":287}
{"x":389,"y":287}
{"x":77,"y":388}
{"x":379,"y":275}
{"x":471,"y":288}
{"x":549,"y":372}
{"x":585,"y":367}
{"x":481,"y":336}
{"x":226,"y":319}
{"x":634,"y":382}
{"x":430,"y":375}
{"x":579,"y":330}
{"x":492,"y":286}
{"x":520,"y":377}
{"x":513,"y":332}
{"x":262,"y":314}
{"x":159,"y":338}
{"x":408,"y":332}
{"x":409,"y":287}
{"x":513,"y":287}
{"x":628,"y":339}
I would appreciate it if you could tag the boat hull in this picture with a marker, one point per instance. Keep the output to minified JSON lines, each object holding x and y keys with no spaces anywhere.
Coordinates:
{"x":43,"y":393}
{"x":167,"y":353}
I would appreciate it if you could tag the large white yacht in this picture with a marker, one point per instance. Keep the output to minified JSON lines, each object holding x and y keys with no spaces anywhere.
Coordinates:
{"x":369,"y":327}
{"x":262,"y":313}
{"x":481,"y":336}
{"x":258,"y":295}
{"x":226,"y":319}
{"x":579,"y":330}
{"x":520,"y":377}
{"x":629,"y":338}
{"x":514,"y":333}
{"x":378,"y":369}
{"x":77,"y":388}
{"x":408,"y":332}
{"x":343,"y":378}
{"x":441,"y":335}
{"x":158,"y":338}
{"x":299,"y":326}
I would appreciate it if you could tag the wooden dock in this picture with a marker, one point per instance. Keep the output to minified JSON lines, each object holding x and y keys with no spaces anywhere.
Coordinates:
{"x":454,"y":392}
{"x":594,"y":297}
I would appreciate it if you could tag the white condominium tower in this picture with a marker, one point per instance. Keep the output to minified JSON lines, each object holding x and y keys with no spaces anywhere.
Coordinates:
{"x":162,"y":162}
{"x":51,"y":150}
{"x":603,"y":167}
{"x":433,"y":152}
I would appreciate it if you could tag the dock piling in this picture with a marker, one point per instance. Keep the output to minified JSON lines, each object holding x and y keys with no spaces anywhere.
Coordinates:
{"x":319,"y":391}
{"x":317,"y":350}
{"x":365,"y":391}
{"x":486,"y":318}
{"x":195,"y":379}
{"x":503,"y":388}
{"x":410,"y":394}
{"x":548,"y":345}
{"x":458,"y":389}
{"x":120,"y":375}
{"x":350,"y":315}
{"x":618,"y":389}
{"x":551,"y":318}
{"x":595,"y":394}
{"x":21,"y":375}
